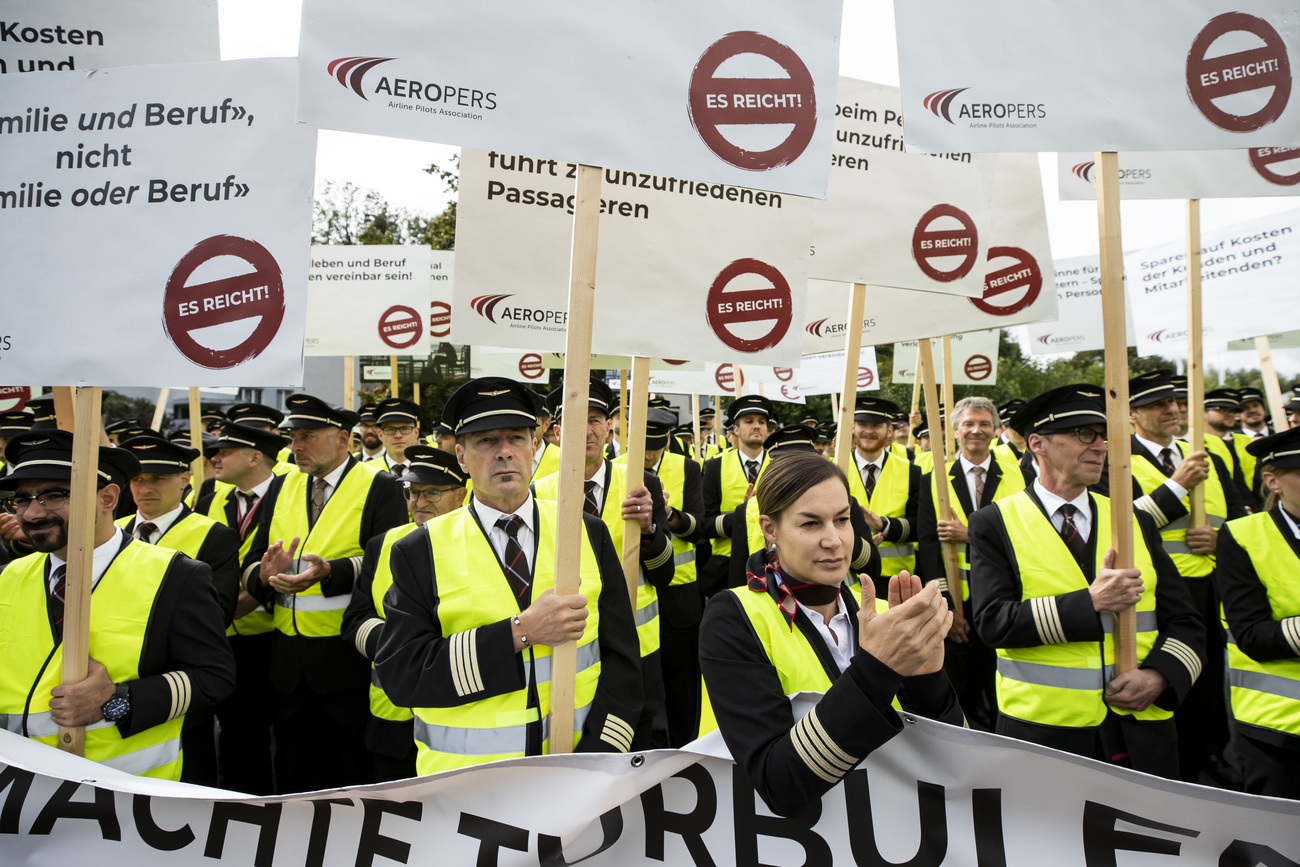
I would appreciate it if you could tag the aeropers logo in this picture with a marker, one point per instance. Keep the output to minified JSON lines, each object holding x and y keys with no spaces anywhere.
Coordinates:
{"x":1083,"y":171}
{"x":1166,"y":335}
{"x":1060,"y":339}
{"x":350,"y":70}
{"x":983,"y":115}
{"x":423,"y":95}
{"x":491,"y":309}
{"x":821,"y":329}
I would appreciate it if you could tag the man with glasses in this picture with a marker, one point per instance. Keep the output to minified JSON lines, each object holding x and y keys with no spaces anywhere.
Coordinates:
{"x":155,"y":624}
{"x":399,"y":427}
{"x":434,"y":485}
{"x":1043,"y":589}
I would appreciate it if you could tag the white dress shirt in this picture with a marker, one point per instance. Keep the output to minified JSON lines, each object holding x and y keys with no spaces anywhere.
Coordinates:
{"x":1290,"y":522}
{"x":1052,"y":503}
{"x":966,"y":467}
{"x":258,"y":489}
{"x":162,"y":522}
{"x":489,"y":516}
{"x":99,"y":563}
{"x":863,"y":463}
{"x":331,"y":480}
{"x":1177,"y":457}
{"x":599,"y":493}
{"x":838,"y":635}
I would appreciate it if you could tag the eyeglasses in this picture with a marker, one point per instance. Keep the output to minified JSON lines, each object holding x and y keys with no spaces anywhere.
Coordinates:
{"x":430,"y":497}
{"x":402,"y":430}
{"x":50,"y":501}
{"x":1085,"y":435}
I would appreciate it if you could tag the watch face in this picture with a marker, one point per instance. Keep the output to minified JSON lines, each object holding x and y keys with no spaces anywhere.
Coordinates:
{"x":115,"y":708}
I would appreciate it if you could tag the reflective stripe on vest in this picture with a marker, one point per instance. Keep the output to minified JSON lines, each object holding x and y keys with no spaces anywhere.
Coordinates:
{"x":473,"y":592}
{"x":334,"y":536}
{"x":1267,"y":694}
{"x":1174,"y":534}
{"x":1061,"y":684}
{"x":889,"y":500}
{"x":257,"y":621}
{"x":122,"y":602}
{"x":380,"y":706}
{"x":1012,"y":482}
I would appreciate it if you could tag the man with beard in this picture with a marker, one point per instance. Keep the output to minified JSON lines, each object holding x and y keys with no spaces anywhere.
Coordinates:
{"x":155,"y":624}
{"x":372,"y":444}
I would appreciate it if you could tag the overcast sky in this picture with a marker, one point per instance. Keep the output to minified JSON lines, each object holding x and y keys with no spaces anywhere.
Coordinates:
{"x":394,"y":167}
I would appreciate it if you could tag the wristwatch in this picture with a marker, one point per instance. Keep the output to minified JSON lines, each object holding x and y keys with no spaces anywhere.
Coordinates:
{"x":119,"y":705}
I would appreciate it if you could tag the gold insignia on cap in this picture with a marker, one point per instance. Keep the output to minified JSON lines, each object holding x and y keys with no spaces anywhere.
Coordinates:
{"x":494,"y":393}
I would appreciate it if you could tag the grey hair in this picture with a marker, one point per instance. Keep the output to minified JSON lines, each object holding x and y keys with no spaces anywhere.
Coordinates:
{"x":979,"y":404}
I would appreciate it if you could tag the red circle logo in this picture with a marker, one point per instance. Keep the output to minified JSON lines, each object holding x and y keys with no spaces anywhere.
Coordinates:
{"x":785,"y":374}
{"x":439,"y":319}
{"x":978,"y":367}
{"x":772,"y":303}
{"x":789,"y":101}
{"x":14,"y":397}
{"x":865,"y":377}
{"x":725,"y":377}
{"x":1020,"y":282}
{"x":674,"y":362}
{"x":790,"y":392}
{"x":1245,"y":71}
{"x":258,"y":293}
{"x":945,"y":242}
{"x":530,"y":366}
{"x":400,"y":327}
{"x":1263,"y":160}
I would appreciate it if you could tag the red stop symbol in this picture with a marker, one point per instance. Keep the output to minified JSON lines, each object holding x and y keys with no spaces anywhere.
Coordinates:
{"x":865,"y":377}
{"x":1256,"y":68}
{"x":1264,"y":159}
{"x":945,"y":242}
{"x":251,"y":294}
{"x":978,"y":367}
{"x":530,"y":366}
{"x":14,"y":396}
{"x":785,"y":374}
{"x":771,"y":304}
{"x":1014,"y":286}
{"x":790,"y":392}
{"x":789,"y":101}
{"x":400,"y":326}
{"x":725,"y":377}
{"x":675,"y":362}
{"x":439,"y":319}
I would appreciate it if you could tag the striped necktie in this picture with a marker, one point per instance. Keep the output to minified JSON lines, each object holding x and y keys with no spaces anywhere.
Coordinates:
{"x":513,"y":559}
{"x":590,"y":506}
{"x":1070,"y":532}
{"x":60,"y":581}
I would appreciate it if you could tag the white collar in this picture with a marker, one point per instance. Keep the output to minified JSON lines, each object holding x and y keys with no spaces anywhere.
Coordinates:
{"x":598,"y":478}
{"x":744,"y":460}
{"x":489,"y":516}
{"x":967,"y":466}
{"x":878,"y":463}
{"x":332,"y":478}
{"x":101,"y":559}
{"x":1286,"y":516}
{"x":162,"y":522}
{"x":260,"y":488}
{"x":1156,"y":448}
{"x":1052,"y":503}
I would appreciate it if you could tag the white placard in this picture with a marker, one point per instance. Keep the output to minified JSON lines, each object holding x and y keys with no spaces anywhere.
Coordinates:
{"x":1249,"y":272}
{"x":896,"y":219}
{"x":1186,"y":174}
{"x":513,"y":364}
{"x":778,"y":383}
{"x":685,"y":269}
{"x":69,"y":35}
{"x":442,"y":274}
{"x":965,"y":796}
{"x":734,"y":91}
{"x":1284,"y":340}
{"x":188,"y":256}
{"x":367,"y":300}
{"x":1018,"y":285}
{"x":974,"y":359}
{"x":1079,"y":326}
{"x":555,"y":361}
{"x":823,"y":373}
{"x":1098,"y":75}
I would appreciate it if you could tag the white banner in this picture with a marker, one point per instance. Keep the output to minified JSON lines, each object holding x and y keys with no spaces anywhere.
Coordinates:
{"x":733,"y":91}
{"x":777,"y":383}
{"x":1079,"y":326}
{"x":896,"y":219}
{"x":555,"y":360}
{"x":685,"y":270}
{"x":933,"y":794}
{"x":1186,"y":174}
{"x":187,"y":228}
{"x":1249,"y":272}
{"x":442,"y":271}
{"x":61,"y":35}
{"x":1018,"y":285}
{"x":1284,"y":340}
{"x":823,"y":373}
{"x":974,"y":359}
{"x":367,"y":300}
{"x":1098,"y":75}
{"x":523,"y":366}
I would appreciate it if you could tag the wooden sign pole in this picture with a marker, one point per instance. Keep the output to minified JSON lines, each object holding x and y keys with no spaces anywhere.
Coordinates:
{"x":81,"y":550}
{"x":949,"y":430}
{"x":852,"y":351}
{"x":925,"y":370}
{"x":622,"y":411}
{"x":160,"y":409}
{"x":634,"y":426}
{"x":349,"y":384}
{"x":196,"y":441}
{"x":573,"y":424}
{"x":835,"y":408}
{"x":737,"y":380}
{"x":64,"y":414}
{"x":695,"y":427}
{"x":1119,"y":451}
{"x":1195,"y":370}
{"x":1271,"y":386}
{"x":916,"y":396}
{"x":392,"y":376}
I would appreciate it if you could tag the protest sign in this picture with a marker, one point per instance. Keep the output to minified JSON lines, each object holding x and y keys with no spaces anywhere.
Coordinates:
{"x":1248,"y":277}
{"x":896,"y":219}
{"x":523,"y":366}
{"x":188,"y":224}
{"x":823,"y":373}
{"x":732,"y":92}
{"x":555,"y":360}
{"x":14,"y":397}
{"x":442,"y":270}
{"x":1186,"y":174}
{"x":778,"y":383}
{"x":686,"y":270}
{"x":1078,"y":325}
{"x":974,"y":359}
{"x":367,"y":300}
{"x":1018,"y":285}
{"x":67,"y":35}
{"x":1283,"y":340}
{"x":1188,"y":74}
{"x":934,"y":793}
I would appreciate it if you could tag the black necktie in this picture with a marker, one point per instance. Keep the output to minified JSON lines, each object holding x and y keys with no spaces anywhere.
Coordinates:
{"x":516,"y":564}
{"x":250,"y":503}
{"x":398,"y":469}
{"x":590,"y":506}
{"x":60,"y":577}
{"x":1167,"y":461}
{"x":1070,"y":533}
{"x":145,"y":531}
{"x":870,"y":481}
{"x":751,"y":471}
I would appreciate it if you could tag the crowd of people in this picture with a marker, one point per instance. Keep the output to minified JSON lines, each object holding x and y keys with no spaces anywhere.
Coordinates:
{"x":349,"y":597}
